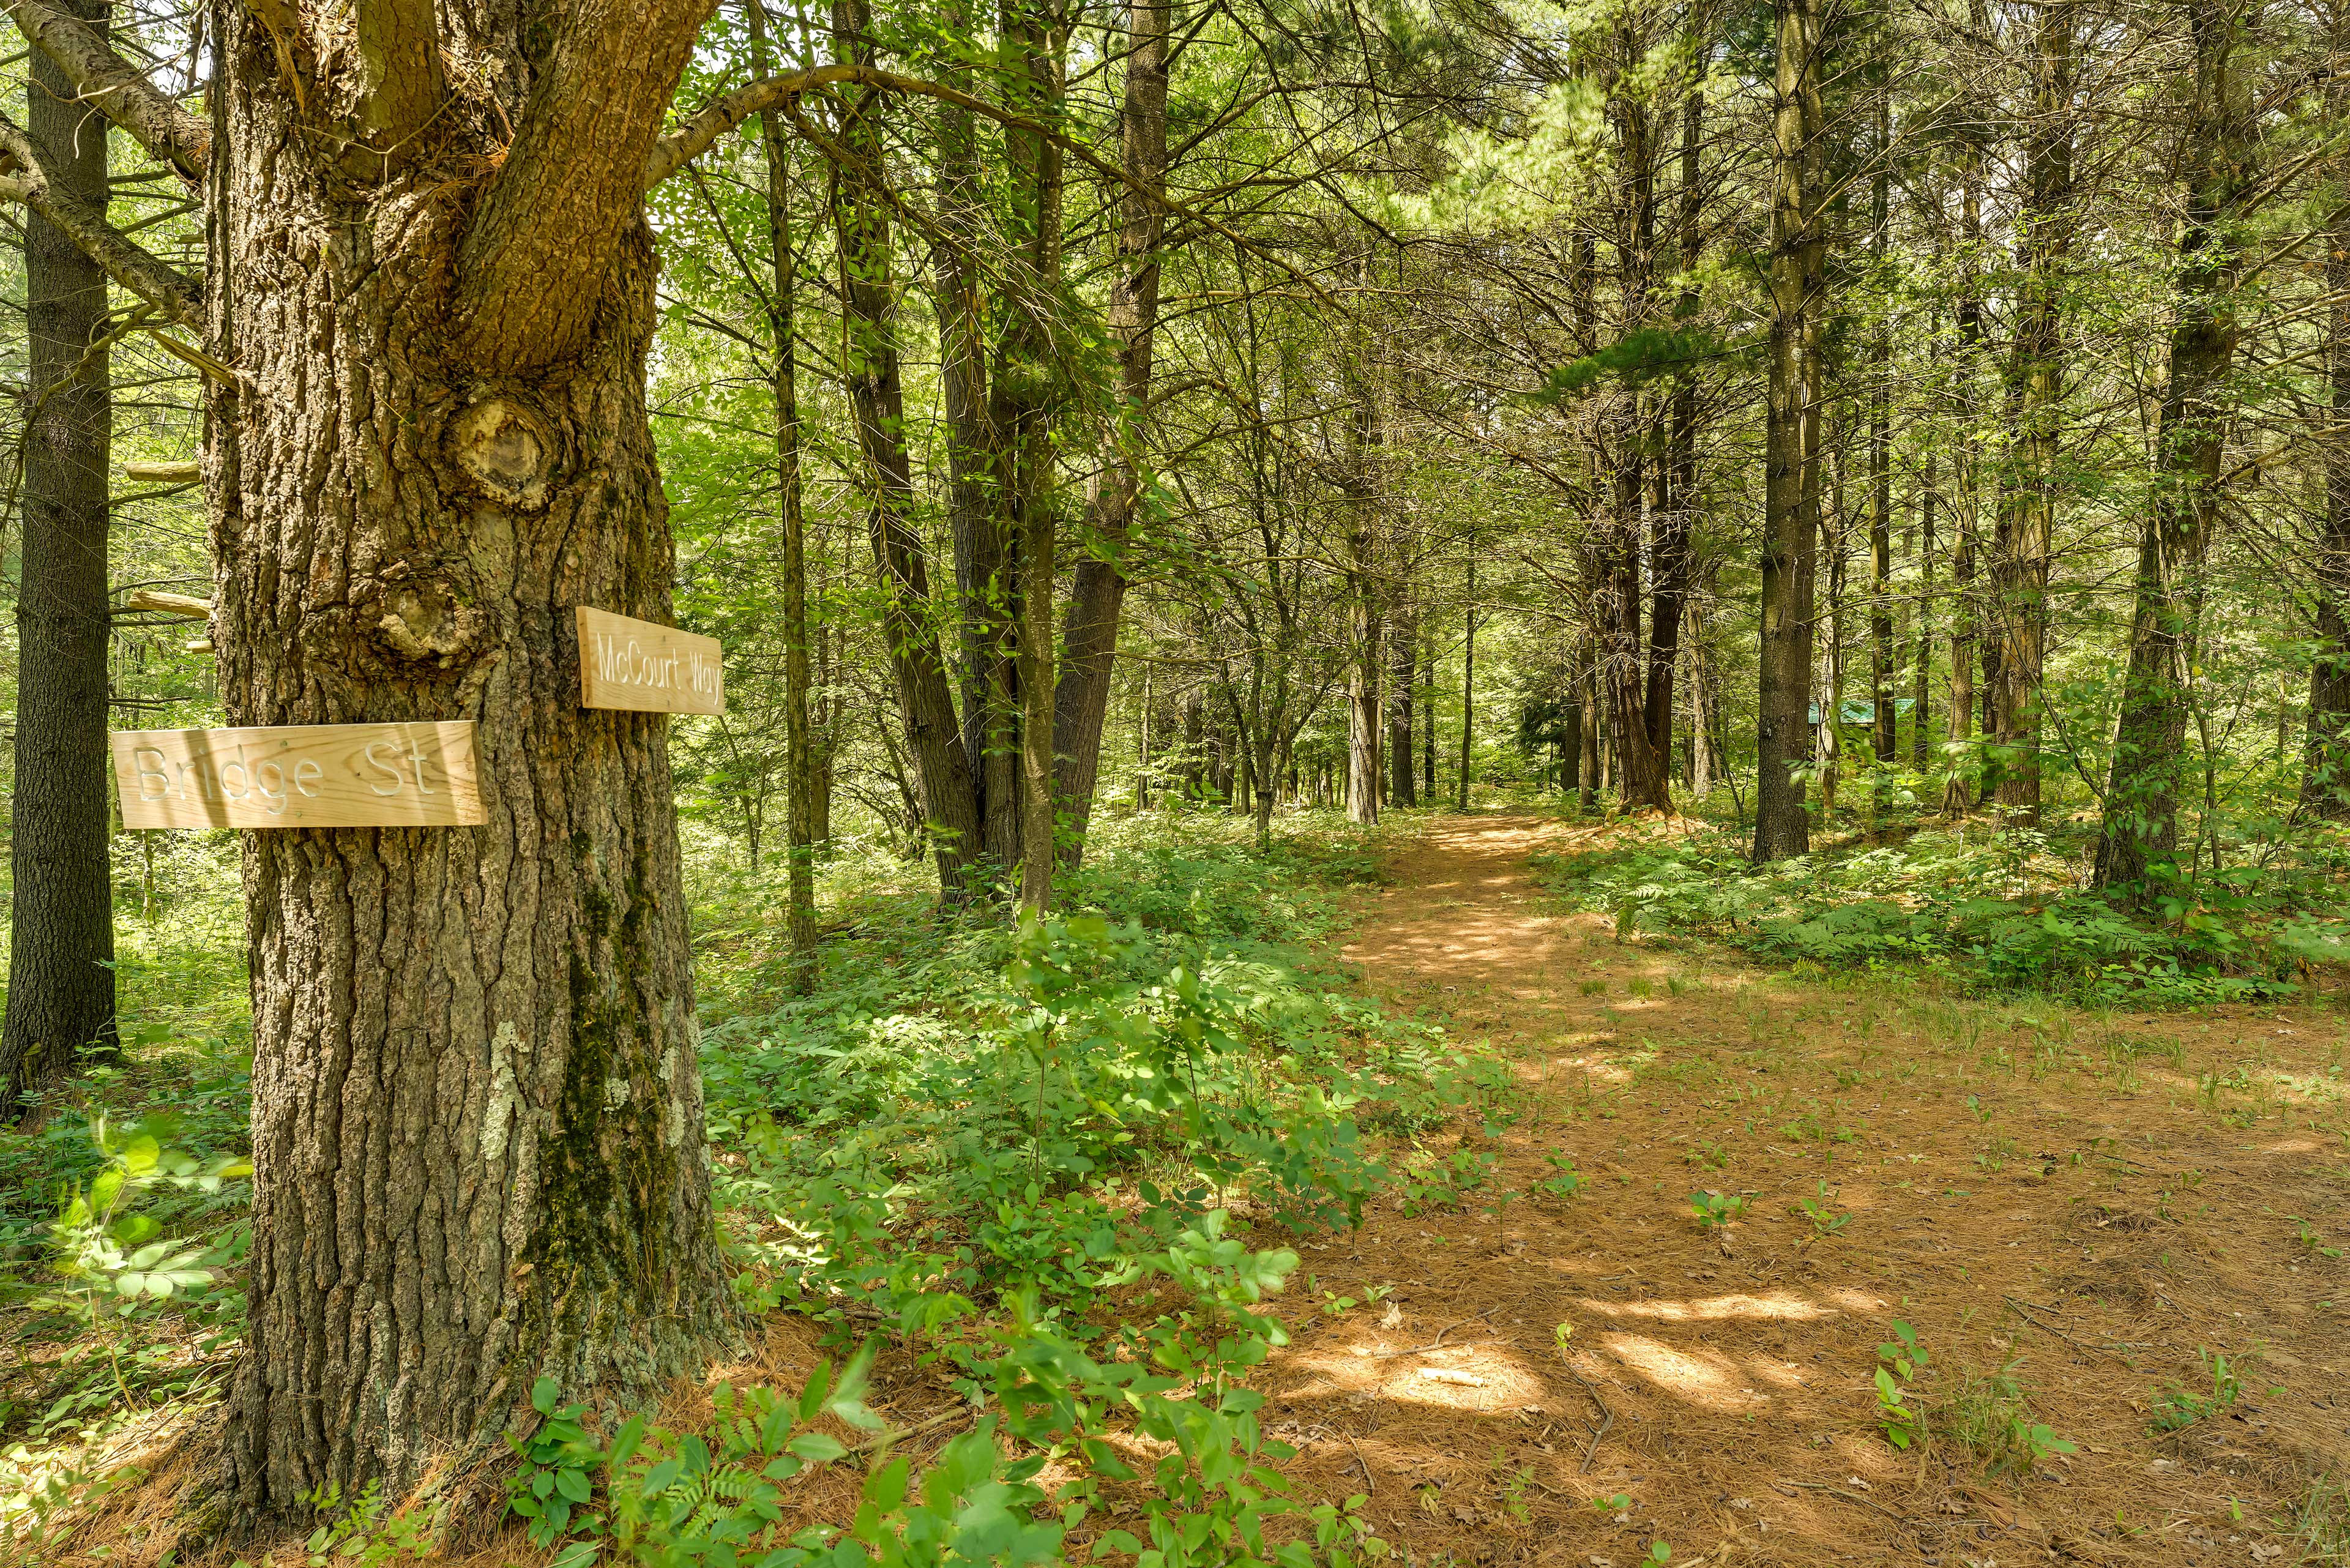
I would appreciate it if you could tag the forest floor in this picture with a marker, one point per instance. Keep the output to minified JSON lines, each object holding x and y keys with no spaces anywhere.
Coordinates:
{"x":2072,"y":1209}
{"x":2065,"y":1207}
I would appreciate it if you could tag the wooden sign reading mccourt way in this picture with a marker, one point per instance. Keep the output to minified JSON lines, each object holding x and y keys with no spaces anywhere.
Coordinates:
{"x":300,"y":776}
{"x":647,"y":669}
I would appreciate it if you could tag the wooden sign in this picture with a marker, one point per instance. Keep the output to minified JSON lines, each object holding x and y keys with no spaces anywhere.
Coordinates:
{"x":300,"y":776}
{"x":647,"y":669}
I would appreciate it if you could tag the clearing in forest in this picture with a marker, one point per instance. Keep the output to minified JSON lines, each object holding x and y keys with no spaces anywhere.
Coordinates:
{"x":2123,"y":1235}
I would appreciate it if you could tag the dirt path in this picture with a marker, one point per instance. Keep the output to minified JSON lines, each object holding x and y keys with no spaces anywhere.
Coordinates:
{"x":2064,"y":1206}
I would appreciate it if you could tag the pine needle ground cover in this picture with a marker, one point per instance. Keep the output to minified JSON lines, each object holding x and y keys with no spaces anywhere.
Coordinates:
{"x":1660,"y":1247}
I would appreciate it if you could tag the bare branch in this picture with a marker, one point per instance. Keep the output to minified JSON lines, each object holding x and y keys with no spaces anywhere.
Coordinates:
{"x":702,"y":130}
{"x":116,"y":87}
{"x":24,"y":179}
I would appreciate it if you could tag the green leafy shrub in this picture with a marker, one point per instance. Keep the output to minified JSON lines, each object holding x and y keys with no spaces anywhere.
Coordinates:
{"x":1899,"y":1362}
{"x":2004,"y":911}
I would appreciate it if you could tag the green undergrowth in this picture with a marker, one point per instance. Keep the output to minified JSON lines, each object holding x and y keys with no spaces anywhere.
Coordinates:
{"x":982,"y":1110}
{"x":2000,"y":909}
{"x":1058,"y":1164}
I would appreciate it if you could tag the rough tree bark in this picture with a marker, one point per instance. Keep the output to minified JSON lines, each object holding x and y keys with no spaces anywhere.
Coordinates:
{"x":1587,"y":675}
{"x":1792,"y":484}
{"x":2139,"y":834}
{"x":1024,"y":398}
{"x":477,"y":1113}
{"x":1367,"y":589}
{"x":61,"y":934}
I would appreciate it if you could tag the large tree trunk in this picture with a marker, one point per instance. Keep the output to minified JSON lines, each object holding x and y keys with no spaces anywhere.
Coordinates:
{"x":1367,"y":592}
{"x":1792,"y":483}
{"x":1646,"y":776}
{"x":2139,"y":834}
{"x":477,"y":1110}
{"x":1098,"y":587}
{"x":1427,"y":715}
{"x":61,"y":933}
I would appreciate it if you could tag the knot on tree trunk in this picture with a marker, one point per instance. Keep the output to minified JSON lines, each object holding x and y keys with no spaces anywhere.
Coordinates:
{"x":506,"y":451}
{"x":422,"y":620}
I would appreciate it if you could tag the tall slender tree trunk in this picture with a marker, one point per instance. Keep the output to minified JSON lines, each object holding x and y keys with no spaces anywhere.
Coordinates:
{"x":2138,"y":837}
{"x":61,"y":911}
{"x":1363,"y":733}
{"x":1880,"y":435}
{"x":1025,"y":395}
{"x":799,"y":761}
{"x":1588,"y":675}
{"x":1645,"y":777}
{"x":1468,"y":680}
{"x":2325,"y":778}
{"x":1427,"y":711}
{"x":1707,"y":766}
{"x":1966,"y":479}
{"x":1570,"y":746}
{"x":477,"y":1124}
{"x":2035,"y":398}
{"x":1367,"y":594}
{"x":1792,"y":483}
{"x":1098,"y":587}
{"x":869,"y":363}
{"x":1194,"y":771}
{"x":978,"y":488}
{"x":1403,"y":651}
{"x":1828,"y":734}
{"x":1676,"y":516}
{"x":1921,"y":647}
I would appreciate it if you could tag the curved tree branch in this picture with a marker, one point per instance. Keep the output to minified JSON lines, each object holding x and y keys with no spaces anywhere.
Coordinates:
{"x":116,"y":87}
{"x":540,"y":244}
{"x":23,"y":178}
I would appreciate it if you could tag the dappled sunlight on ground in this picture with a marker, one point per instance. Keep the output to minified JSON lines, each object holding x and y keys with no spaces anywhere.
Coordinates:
{"x":2080,"y":1201}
